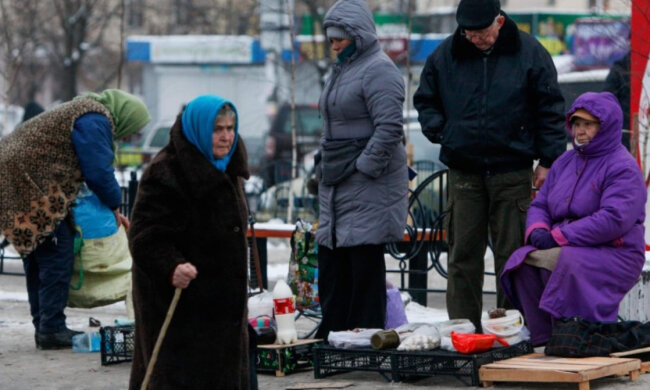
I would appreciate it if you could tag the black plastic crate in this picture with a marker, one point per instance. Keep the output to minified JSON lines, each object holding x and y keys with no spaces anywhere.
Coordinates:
{"x":329,"y":360}
{"x":404,"y":365}
{"x":117,"y":344}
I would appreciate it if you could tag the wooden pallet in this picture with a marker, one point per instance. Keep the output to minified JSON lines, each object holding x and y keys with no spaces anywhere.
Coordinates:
{"x":537,"y":367}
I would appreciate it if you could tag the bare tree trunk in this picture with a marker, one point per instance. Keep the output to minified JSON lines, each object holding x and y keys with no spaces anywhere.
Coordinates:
{"x":122,"y":25}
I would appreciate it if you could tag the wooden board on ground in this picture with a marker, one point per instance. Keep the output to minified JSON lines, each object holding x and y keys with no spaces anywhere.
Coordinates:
{"x":639,"y":353}
{"x":320,"y":385}
{"x":537,"y":367}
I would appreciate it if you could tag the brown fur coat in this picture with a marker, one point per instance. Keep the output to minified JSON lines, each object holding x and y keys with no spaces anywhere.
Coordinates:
{"x":188,"y":211}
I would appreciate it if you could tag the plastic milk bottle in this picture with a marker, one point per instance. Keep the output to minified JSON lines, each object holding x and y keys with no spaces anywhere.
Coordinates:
{"x":283,"y":305}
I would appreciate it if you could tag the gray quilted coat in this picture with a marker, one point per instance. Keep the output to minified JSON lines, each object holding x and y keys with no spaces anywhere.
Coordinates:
{"x":363,"y":98}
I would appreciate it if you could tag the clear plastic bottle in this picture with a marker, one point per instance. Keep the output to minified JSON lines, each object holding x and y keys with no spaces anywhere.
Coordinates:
{"x":86,"y":342}
{"x":284,"y":307}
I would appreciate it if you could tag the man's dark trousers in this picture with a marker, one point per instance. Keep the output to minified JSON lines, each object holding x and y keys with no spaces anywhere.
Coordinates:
{"x":477,"y":201}
{"x":48,"y":270}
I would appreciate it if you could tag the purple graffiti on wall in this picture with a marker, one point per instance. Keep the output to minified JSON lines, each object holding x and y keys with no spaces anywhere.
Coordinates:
{"x":598,"y":43}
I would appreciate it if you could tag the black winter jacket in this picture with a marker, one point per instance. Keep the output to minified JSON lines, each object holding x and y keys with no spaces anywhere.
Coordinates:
{"x":492,"y":113}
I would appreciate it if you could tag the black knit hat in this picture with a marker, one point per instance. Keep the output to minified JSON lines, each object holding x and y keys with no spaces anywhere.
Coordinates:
{"x":477,"y":14}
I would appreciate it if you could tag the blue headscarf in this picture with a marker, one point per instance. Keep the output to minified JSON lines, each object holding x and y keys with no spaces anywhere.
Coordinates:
{"x":198,"y":126}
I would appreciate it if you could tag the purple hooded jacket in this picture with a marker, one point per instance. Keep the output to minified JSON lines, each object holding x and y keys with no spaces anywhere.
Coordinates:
{"x":593,"y":202}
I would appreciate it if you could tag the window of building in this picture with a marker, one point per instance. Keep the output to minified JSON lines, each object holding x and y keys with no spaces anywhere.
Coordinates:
{"x":135,"y":13}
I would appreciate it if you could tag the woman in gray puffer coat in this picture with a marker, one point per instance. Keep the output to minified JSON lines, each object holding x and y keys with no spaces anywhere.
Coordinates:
{"x":363,"y":190}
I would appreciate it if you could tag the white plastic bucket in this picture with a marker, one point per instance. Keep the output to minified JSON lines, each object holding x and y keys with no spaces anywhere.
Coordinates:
{"x":506,"y":326}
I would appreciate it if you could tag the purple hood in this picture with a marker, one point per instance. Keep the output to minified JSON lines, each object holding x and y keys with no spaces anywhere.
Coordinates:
{"x":606,"y":108}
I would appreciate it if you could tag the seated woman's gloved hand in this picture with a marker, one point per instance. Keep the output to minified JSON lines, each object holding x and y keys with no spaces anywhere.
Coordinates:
{"x":542,"y":239}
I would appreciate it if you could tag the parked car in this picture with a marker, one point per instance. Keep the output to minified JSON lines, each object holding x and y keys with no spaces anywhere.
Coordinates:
{"x":276,"y":162}
{"x":156,"y":139}
{"x":423,"y":149}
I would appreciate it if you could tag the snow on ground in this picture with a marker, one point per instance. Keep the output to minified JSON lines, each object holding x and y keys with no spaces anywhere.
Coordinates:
{"x":416,"y":313}
{"x":13,"y":296}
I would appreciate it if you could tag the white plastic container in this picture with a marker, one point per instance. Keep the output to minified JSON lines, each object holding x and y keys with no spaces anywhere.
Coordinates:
{"x":284,"y":307}
{"x":504,"y":327}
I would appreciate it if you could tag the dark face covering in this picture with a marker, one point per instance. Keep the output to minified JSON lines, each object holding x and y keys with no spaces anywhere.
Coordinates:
{"x":347,"y":52}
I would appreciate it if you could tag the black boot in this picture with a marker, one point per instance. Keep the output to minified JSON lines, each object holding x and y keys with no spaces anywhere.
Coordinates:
{"x":58,"y":340}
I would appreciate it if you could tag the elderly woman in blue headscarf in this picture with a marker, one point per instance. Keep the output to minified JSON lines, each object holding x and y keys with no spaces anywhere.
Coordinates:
{"x":188,"y":230}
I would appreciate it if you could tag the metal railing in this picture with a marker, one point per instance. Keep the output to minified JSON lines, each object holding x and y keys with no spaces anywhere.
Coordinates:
{"x":426,"y":243}
{"x":422,"y":251}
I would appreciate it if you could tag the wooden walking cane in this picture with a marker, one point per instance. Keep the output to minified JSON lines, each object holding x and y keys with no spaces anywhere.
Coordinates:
{"x":161,"y":337}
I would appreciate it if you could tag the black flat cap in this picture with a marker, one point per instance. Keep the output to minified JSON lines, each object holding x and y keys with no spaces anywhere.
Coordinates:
{"x":477,"y":14}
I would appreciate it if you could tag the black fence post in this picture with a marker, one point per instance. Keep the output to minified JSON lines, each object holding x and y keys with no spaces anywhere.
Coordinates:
{"x":133,"y":190}
{"x":418,"y":276}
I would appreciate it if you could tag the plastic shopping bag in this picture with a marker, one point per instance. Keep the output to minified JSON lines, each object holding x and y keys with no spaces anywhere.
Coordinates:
{"x":106,"y":264}
{"x":474,"y":342}
{"x":303,"y":266}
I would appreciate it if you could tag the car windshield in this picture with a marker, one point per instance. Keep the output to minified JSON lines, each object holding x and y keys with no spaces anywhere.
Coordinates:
{"x":308,"y":122}
{"x":161,"y":138}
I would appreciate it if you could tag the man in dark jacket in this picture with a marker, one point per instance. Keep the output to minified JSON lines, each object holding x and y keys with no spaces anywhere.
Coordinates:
{"x":489,"y":95}
{"x":618,"y":83}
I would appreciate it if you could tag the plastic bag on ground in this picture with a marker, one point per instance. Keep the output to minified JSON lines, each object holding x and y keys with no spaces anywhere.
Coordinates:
{"x":459,"y":326}
{"x":395,"y":313}
{"x":423,"y":338}
{"x":349,"y":339}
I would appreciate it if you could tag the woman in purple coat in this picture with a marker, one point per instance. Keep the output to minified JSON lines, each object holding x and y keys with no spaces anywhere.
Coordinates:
{"x":584,"y":229}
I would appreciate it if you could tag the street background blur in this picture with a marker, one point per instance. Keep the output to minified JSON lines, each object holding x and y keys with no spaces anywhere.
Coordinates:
{"x":171,"y":51}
